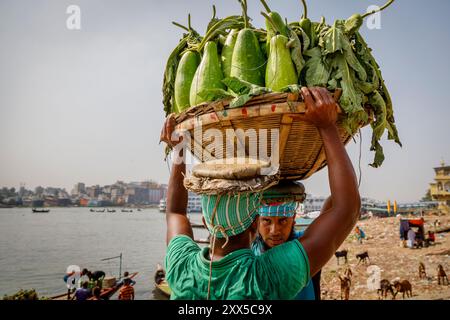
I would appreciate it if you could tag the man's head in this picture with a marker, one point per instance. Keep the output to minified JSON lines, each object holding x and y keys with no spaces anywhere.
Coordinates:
{"x":85,"y":285}
{"x":125,"y":274}
{"x":230,"y":215}
{"x":276,"y":222}
{"x":275,"y":230}
{"x":96,"y":292}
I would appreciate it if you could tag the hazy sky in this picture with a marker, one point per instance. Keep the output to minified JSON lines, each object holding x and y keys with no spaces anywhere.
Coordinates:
{"x":85,"y":105}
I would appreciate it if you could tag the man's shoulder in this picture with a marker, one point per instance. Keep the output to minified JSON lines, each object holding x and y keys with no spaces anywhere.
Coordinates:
{"x":181,"y":239}
{"x":182,"y":243}
{"x":180,"y":250}
{"x":286,"y":251}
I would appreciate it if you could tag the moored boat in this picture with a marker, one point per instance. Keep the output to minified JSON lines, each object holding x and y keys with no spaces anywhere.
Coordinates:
{"x":162,"y":205}
{"x":106,"y":293}
{"x":160,"y":282}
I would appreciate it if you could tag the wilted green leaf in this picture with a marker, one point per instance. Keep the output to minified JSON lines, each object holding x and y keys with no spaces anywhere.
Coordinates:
{"x":351,"y":99}
{"x":296,"y":52}
{"x":333,"y":40}
{"x":317,"y":72}
{"x":240,"y":100}
{"x":215,"y":94}
{"x":379,"y":155}
{"x":237,"y":86}
{"x":293,"y":88}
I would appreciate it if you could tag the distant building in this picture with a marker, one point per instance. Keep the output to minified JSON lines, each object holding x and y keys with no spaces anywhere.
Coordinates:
{"x":50,"y":201}
{"x":84,"y":202}
{"x":136,"y":195}
{"x":22,"y":191}
{"x":37,"y":203}
{"x":313,"y":203}
{"x":50,"y":191}
{"x":440,"y":189}
{"x":149,"y":185}
{"x":93,"y":192}
{"x":92,"y":203}
{"x":63,"y":202}
{"x":156,"y":194}
{"x":39,"y":191}
{"x":194,"y":202}
{"x":79,"y":189}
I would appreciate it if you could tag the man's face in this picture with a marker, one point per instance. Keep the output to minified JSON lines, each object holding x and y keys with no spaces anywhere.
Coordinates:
{"x":275,"y":230}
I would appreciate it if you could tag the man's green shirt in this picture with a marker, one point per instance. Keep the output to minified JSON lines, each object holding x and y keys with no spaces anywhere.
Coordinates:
{"x":279,"y":273}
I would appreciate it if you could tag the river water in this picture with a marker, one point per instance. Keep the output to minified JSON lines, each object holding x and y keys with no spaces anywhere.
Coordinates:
{"x":36,"y":248}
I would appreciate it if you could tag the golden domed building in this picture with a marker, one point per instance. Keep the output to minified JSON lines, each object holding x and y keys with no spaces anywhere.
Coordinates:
{"x":440,"y":190}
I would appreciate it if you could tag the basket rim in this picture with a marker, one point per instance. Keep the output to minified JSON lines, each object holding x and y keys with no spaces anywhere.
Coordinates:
{"x":269,"y":104}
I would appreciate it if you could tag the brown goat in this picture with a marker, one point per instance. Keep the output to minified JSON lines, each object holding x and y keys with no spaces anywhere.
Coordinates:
{"x":345,"y":287}
{"x":385,"y":287}
{"x":442,"y":275}
{"x":422,"y":272}
{"x":403,"y":287}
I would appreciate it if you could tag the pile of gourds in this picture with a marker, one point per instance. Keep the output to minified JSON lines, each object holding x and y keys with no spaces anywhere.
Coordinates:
{"x":237,"y":61}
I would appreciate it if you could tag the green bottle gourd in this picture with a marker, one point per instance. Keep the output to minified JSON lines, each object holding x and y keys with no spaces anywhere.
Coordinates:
{"x":305,"y":23}
{"x":280,"y":70}
{"x":209,"y":74}
{"x":185,"y":73}
{"x":247,"y":62}
{"x":274,"y":25}
{"x":227,"y":52}
{"x":354,"y":23}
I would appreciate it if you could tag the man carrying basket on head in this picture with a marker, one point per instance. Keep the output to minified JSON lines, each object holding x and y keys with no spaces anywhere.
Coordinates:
{"x":229,"y":269}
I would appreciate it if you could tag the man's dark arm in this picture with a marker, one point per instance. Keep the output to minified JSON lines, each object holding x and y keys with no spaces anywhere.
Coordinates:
{"x":177,"y":195}
{"x":331,"y":228}
{"x":326,"y":205}
{"x":177,"y":199}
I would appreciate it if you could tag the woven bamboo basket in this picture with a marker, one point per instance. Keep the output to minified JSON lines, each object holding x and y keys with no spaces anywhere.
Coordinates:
{"x":300,"y":147}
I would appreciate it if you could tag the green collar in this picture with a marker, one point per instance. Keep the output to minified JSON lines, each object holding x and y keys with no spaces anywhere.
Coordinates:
{"x":226,"y":261}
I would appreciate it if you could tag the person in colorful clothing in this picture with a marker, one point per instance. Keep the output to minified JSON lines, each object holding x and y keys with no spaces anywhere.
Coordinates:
{"x":228,"y":269}
{"x":360,"y":235}
{"x":127,"y":290}
{"x":82,"y":293}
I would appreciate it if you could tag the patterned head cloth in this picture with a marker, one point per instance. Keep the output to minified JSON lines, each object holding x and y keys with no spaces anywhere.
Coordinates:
{"x":281,"y":209}
{"x":281,"y":200}
{"x":233,"y":213}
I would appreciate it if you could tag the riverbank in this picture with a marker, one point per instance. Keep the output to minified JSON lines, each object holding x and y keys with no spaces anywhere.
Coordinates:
{"x":38,"y":248}
{"x":383,"y":246}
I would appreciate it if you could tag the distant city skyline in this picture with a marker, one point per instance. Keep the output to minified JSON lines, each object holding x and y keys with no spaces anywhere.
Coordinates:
{"x":85,"y":105}
{"x":118,"y":193}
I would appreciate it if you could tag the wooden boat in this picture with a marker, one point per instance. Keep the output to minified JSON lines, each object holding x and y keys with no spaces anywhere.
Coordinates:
{"x":161,"y":284}
{"x":40,"y":210}
{"x":105,"y":294}
{"x":164,"y":288}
